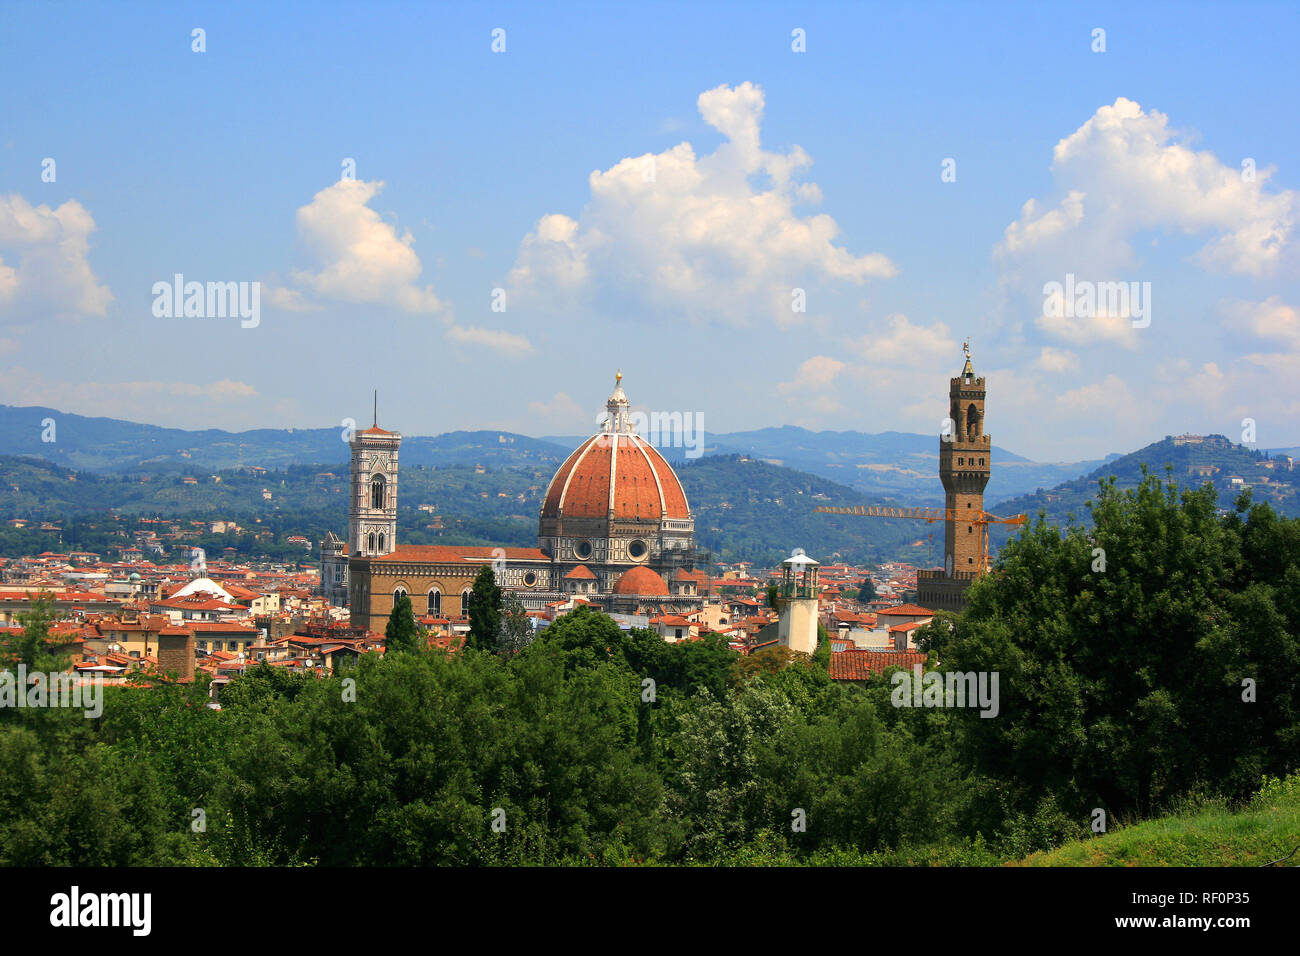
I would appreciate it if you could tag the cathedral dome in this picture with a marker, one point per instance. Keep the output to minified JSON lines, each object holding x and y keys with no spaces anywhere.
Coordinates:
{"x":616,"y":474}
{"x":641,"y":581}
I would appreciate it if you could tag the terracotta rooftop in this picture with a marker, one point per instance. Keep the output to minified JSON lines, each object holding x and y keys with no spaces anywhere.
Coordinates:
{"x":859,"y":665}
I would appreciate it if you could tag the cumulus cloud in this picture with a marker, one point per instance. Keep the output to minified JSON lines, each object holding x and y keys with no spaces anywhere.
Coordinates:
{"x":817,"y":372}
{"x":909,"y":344}
{"x":1100,"y":323}
{"x":1124,"y":174}
{"x":1057,"y":360}
{"x":1125,"y":171}
{"x":361,"y":259}
{"x":43,"y":264}
{"x":1271,"y":320}
{"x":710,"y":237}
{"x":1252,"y":384}
{"x":896,"y":359}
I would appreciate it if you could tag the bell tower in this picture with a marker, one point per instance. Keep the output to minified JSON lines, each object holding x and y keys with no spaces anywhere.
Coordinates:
{"x":964,"y":456}
{"x":372,"y":511}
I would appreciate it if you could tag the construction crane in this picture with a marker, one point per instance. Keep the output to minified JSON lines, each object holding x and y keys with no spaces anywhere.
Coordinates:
{"x":980,"y":520}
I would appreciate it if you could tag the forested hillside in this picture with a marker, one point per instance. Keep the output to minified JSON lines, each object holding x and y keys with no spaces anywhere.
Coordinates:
{"x":745,"y":509}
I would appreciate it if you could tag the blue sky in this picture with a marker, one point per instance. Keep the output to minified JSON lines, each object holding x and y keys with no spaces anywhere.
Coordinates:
{"x":773,"y":170}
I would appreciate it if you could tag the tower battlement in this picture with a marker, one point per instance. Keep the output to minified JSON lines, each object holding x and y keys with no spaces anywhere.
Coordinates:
{"x":965,"y":459}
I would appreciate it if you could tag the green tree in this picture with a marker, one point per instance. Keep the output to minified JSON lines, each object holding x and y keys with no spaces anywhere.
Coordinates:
{"x":33,"y":645}
{"x":402,"y":633}
{"x":1125,"y":653}
{"x":484,"y":610}
{"x":867,"y":590}
{"x":516,"y":630}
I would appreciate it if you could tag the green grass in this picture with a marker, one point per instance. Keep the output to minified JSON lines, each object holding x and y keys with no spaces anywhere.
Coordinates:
{"x":1264,"y":830}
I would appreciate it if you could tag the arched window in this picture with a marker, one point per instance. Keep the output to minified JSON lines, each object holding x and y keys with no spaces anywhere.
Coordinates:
{"x":465,"y":597}
{"x":381,"y":542}
{"x":377,"y":492}
{"x":370,"y":542}
{"x":972,"y":421}
{"x":398,"y":593}
{"x":435,"y":603}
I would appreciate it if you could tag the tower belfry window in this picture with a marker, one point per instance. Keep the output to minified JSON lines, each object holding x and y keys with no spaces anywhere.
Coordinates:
{"x":377,"y":492}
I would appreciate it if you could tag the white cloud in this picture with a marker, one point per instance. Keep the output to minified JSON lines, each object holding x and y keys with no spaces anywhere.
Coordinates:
{"x":1111,"y":395}
{"x":714,"y":237}
{"x":47,"y":270}
{"x":1102,"y":325}
{"x":1057,"y":360}
{"x":1271,"y":320}
{"x":1125,"y":171}
{"x":491,"y":338}
{"x":363,"y":260}
{"x":360,"y":258}
{"x":817,"y":372}
{"x":910,"y":345}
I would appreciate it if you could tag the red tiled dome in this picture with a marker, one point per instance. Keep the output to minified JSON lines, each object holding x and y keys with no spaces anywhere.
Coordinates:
{"x":644,"y":484}
{"x":641,"y":580}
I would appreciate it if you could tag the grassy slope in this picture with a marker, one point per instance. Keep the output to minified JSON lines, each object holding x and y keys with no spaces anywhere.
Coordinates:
{"x":1266,"y":830}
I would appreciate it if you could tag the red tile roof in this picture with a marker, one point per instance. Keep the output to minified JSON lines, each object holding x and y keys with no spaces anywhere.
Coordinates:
{"x":455,"y":554}
{"x":645,"y":486}
{"x":906,"y":610}
{"x":859,"y":665}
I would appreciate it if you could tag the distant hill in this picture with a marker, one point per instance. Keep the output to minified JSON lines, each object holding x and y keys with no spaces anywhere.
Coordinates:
{"x":1214,"y":459}
{"x":888,"y":465}
{"x":112,"y":445}
{"x":745,"y":509}
{"x":900,"y":465}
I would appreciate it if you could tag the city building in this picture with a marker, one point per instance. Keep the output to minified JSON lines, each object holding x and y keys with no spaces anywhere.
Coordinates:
{"x":615,"y":530}
{"x":964,"y":464}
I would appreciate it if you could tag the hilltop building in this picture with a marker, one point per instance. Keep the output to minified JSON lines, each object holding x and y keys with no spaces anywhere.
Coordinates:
{"x":615,"y":530}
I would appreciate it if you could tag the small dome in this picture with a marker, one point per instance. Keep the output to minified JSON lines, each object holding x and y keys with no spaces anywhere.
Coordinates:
{"x":641,"y":580}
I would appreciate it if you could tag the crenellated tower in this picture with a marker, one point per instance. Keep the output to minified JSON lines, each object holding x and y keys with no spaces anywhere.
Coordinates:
{"x":964,"y":457}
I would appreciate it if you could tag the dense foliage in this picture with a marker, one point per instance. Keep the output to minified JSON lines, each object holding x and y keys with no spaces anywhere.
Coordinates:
{"x":1121,"y":688}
